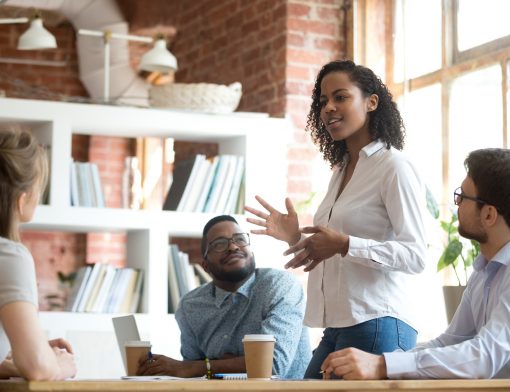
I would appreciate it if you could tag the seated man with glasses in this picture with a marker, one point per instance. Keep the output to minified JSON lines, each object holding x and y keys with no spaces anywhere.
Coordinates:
{"x":240,"y":300}
{"x":477,"y":342}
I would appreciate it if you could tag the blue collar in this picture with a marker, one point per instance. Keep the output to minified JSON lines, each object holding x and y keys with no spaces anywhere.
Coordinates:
{"x":502,"y":257}
{"x":245,"y":290}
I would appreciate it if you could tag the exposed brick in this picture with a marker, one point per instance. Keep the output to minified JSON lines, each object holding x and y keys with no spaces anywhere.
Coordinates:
{"x":308,"y":57}
{"x":273,"y":47}
{"x":298,"y":10}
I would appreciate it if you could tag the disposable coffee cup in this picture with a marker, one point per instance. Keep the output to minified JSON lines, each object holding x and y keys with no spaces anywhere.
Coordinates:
{"x":135,"y":349}
{"x":258,"y":355}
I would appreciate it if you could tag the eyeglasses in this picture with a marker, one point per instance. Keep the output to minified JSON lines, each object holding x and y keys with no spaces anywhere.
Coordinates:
{"x":458,"y":196}
{"x":221,"y":244}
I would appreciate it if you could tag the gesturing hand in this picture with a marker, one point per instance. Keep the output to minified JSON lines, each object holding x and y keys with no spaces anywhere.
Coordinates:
{"x":321,"y":245}
{"x":283,"y":227}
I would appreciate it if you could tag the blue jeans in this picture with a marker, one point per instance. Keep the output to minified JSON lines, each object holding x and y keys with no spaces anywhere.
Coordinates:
{"x":375,"y":336}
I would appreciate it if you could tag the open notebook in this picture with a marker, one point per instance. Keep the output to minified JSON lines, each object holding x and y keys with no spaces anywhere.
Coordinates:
{"x":125,"y":330}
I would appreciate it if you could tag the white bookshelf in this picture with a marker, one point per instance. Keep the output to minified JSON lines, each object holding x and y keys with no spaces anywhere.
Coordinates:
{"x":261,"y":139}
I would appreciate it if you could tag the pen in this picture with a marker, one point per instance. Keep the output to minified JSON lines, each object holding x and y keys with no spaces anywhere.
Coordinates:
{"x":149,"y":356}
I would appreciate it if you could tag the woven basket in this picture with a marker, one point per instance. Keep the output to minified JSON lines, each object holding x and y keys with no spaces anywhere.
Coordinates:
{"x":204,"y":97}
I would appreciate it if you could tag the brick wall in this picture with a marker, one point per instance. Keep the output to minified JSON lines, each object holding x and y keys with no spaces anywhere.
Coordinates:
{"x":273,"y":47}
{"x":314,"y":37}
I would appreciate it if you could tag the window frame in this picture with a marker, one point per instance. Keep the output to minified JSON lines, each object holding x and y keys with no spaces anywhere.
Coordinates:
{"x":374,"y":22}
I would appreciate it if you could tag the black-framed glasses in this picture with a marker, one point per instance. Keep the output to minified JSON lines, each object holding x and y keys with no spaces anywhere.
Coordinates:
{"x":458,"y":196}
{"x":221,"y":244}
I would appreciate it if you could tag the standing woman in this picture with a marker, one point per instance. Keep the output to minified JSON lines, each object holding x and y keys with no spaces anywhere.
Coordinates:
{"x":368,"y":234}
{"x":23,"y":174}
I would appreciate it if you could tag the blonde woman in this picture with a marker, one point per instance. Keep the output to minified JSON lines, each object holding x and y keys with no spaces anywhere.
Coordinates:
{"x":23,"y":174}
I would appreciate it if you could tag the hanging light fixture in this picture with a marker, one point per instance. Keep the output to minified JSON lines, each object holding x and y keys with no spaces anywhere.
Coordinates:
{"x":36,"y":37}
{"x":159,"y":58}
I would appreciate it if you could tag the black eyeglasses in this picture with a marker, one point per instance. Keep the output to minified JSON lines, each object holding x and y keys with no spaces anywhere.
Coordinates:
{"x":458,"y":196}
{"x":221,"y":244}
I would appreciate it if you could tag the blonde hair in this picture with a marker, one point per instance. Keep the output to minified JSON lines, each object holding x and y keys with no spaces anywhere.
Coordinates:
{"x":23,"y":169}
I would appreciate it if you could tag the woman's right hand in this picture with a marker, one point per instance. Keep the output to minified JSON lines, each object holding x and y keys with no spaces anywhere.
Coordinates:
{"x":283,"y":227}
{"x":66,"y":363}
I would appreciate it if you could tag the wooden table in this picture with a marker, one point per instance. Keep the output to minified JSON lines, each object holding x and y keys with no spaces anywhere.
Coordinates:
{"x":256,"y":386}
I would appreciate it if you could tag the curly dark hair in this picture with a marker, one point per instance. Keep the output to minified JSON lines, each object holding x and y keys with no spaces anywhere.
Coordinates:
{"x":385,"y":122}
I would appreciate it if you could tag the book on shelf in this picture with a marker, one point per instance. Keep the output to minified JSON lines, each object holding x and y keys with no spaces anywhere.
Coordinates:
{"x":91,"y":281}
{"x":121,"y":289}
{"x":206,"y":186}
{"x":218,"y":180}
{"x":203,"y":276}
{"x":173,"y":288}
{"x":190,"y":200}
{"x":96,"y":182}
{"x":181,"y":175}
{"x":192,"y":182}
{"x":181,"y":276}
{"x":75,"y":194}
{"x":79,"y":283}
{"x":45,"y":194}
{"x":127,"y":299}
{"x":239,"y":209}
{"x":179,"y":270}
{"x":98,"y":284}
{"x":231,"y":204}
{"x":102,"y":288}
{"x":85,"y":183}
{"x":226,"y":184}
{"x":137,"y":294}
{"x":104,"y":291}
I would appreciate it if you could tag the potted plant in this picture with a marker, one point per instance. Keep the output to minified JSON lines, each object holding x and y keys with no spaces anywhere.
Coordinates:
{"x":458,"y":254}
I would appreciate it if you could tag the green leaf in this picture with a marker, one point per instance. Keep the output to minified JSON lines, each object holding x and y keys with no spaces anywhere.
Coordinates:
{"x":450,"y":254}
{"x":432,"y":205}
{"x":446,"y":226}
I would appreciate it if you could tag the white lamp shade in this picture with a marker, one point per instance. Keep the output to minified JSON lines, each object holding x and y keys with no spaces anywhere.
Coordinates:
{"x":158,"y":58}
{"x":36,"y":37}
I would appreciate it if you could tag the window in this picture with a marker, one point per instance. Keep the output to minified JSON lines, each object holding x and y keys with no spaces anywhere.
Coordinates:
{"x":447,"y":64}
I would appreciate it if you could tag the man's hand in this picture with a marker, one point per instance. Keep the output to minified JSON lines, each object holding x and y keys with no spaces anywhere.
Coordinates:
{"x":354,"y":364}
{"x":161,"y":365}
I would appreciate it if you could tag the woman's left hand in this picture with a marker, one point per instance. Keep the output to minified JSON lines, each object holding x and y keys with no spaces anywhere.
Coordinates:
{"x":321,"y":245}
{"x":62,"y":344}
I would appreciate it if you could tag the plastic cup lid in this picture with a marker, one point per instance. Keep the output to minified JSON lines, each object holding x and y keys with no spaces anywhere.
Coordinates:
{"x":138,"y":343}
{"x":259,"y":338}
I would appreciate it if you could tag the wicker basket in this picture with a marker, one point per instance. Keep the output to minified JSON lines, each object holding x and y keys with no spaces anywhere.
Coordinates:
{"x":204,"y":97}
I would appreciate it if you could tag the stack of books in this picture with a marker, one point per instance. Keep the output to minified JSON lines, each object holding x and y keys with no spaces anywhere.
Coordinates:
{"x":102,"y":288}
{"x":86,"y":189}
{"x":207,"y":185}
{"x":183,"y":276}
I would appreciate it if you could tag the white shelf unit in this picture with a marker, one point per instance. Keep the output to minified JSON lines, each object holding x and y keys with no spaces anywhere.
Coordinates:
{"x":261,"y":139}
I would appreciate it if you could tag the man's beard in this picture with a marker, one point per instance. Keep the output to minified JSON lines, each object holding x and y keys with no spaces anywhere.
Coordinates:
{"x":480,"y":236}
{"x":234,"y":276}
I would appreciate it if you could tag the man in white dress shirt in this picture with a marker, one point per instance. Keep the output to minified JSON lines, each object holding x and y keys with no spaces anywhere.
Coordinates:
{"x":477,"y":342}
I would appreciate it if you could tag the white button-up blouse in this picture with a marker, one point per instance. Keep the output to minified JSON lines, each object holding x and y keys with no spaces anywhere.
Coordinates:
{"x":382,"y":210}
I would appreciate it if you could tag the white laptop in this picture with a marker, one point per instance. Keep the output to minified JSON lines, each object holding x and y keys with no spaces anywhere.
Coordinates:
{"x":125,"y":330}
